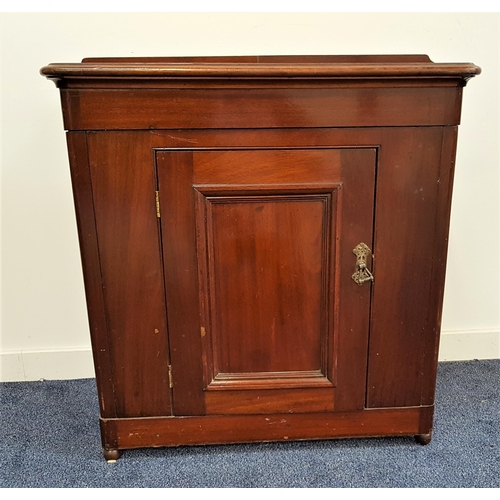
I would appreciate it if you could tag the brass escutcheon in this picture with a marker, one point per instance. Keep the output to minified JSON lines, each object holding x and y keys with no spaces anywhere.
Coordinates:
{"x":362,"y":273}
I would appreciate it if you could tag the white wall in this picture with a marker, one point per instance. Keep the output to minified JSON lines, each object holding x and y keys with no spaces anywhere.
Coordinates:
{"x":44,"y":324}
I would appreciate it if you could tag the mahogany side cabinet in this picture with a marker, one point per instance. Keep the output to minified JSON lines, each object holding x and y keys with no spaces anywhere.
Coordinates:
{"x":263,"y":241}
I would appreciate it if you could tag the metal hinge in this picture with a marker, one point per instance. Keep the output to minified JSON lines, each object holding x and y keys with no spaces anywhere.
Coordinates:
{"x":170,"y":379}
{"x":157,"y":197}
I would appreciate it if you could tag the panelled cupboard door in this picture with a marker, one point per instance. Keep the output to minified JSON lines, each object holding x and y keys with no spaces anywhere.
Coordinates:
{"x":263,"y":313}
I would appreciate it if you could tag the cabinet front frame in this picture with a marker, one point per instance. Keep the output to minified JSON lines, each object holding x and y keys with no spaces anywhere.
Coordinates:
{"x":401,"y":363}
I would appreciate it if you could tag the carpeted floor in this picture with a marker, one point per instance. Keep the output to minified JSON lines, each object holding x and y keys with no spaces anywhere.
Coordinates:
{"x":49,"y":437}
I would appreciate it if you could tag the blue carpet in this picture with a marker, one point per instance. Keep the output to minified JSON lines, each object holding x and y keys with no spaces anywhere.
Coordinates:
{"x":49,"y":437}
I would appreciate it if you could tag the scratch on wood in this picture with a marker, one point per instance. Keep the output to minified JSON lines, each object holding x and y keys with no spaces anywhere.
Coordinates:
{"x":184,"y":139}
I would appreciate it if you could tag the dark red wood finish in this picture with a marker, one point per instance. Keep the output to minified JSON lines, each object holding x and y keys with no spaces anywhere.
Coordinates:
{"x":153,"y":432}
{"x":218,"y":203}
{"x":260,"y":108}
{"x":89,"y":249}
{"x":131,"y":270}
{"x":272,"y":260}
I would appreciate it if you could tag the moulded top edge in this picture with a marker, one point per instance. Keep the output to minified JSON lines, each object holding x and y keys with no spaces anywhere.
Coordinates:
{"x":267,"y":59}
{"x":280,"y":67}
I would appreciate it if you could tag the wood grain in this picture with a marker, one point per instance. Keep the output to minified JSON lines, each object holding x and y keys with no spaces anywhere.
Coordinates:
{"x":89,"y":250}
{"x":259,"y":108}
{"x":277,"y":66}
{"x":175,"y":178}
{"x":430,"y":344}
{"x":155,"y":432}
{"x":132,"y":277}
{"x":409,"y":163}
{"x":230,"y":315}
{"x":268,"y":266}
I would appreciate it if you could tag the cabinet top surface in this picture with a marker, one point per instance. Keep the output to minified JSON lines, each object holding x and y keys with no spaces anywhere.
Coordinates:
{"x":369,"y":66}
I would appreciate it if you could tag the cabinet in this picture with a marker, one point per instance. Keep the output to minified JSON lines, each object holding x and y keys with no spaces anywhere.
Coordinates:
{"x":263,"y":242}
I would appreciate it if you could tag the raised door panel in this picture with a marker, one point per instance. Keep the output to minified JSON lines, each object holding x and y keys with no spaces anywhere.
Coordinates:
{"x":264,"y":261}
{"x":262,"y":310}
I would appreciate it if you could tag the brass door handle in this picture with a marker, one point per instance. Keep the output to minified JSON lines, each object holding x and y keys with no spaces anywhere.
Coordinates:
{"x":362,"y":273}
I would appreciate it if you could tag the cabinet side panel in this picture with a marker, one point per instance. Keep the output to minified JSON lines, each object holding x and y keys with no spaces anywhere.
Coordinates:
{"x":431,"y":348}
{"x":123,"y":184}
{"x":405,"y":232}
{"x":84,"y":207}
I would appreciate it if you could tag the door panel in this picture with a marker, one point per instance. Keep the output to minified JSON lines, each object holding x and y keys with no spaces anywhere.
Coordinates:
{"x":258,"y":260}
{"x":267,"y":260}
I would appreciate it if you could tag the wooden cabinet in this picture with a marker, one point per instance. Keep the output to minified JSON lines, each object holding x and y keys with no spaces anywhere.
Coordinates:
{"x":263,"y":242}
